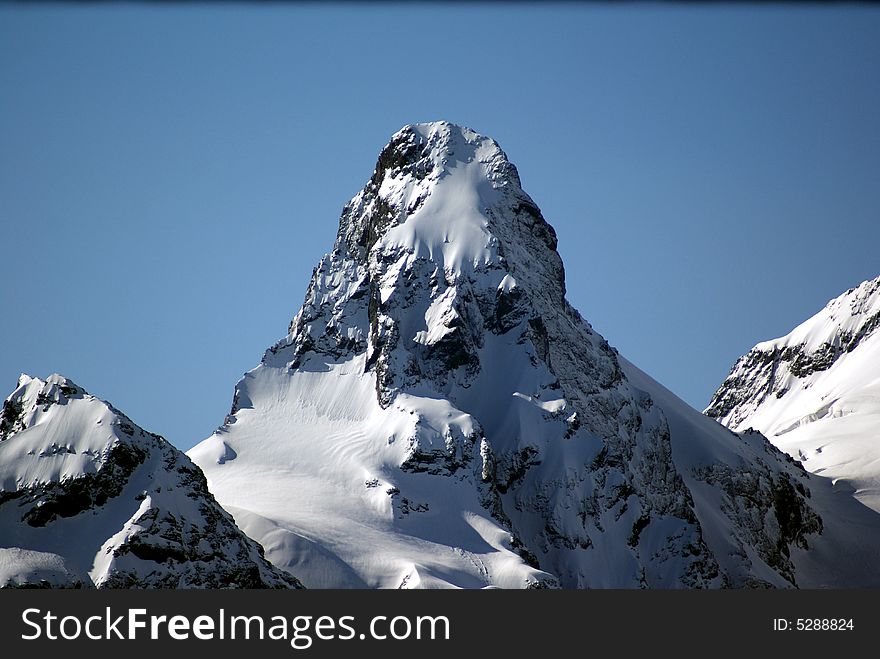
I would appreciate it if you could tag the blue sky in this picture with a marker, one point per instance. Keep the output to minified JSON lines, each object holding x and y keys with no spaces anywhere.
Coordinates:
{"x":170,"y":175}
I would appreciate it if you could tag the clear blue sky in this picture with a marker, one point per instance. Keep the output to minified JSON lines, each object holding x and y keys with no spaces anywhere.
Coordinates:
{"x":170,"y":175}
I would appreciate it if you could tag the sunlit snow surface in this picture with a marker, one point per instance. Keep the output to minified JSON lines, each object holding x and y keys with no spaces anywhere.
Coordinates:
{"x":318,"y":455}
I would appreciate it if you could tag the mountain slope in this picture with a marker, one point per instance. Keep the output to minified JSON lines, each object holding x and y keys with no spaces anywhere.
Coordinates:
{"x":728,"y":475}
{"x":87,"y":497}
{"x":816,"y":392}
{"x":439,"y":415}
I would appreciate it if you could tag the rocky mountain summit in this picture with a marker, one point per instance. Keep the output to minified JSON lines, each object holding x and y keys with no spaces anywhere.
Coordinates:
{"x":438,"y":415}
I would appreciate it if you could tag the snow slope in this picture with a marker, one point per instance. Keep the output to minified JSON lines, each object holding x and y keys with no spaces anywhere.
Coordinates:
{"x":87,"y":497}
{"x":816,"y":392}
{"x":24,"y":568}
{"x":846,"y":554}
{"x":439,"y":416}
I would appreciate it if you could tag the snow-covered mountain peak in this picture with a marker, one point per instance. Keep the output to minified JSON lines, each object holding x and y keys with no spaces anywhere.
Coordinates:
{"x":56,"y":388}
{"x":447,"y":194}
{"x":439,"y":415}
{"x":36,"y":402}
{"x":444,"y":224}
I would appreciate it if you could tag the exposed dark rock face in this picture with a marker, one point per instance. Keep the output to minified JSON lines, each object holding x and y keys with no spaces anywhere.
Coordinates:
{"x":771,"y":510}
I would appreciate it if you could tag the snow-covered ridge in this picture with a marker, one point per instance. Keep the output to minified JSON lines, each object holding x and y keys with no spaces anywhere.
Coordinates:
{"x":816,"y":391}
{"x":844,"y":322}
{"x":775,"y":367}
{"x":87,"y":497}
{"x":438,"y":415}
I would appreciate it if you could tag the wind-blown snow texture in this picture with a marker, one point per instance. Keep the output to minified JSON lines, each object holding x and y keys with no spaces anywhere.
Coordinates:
{"x":816,"y":392}
{"x":89,"y":498}
{"x":438,"y":415}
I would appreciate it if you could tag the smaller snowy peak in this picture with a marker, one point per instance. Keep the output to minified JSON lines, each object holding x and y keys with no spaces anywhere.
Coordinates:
{"x":63,"y":455}
{"x":815,"y":392}
{"x":775,"y":368}
{"x":89,"y":498}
